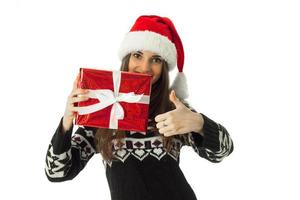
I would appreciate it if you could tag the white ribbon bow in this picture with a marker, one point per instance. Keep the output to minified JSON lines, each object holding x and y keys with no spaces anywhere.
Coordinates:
{"x":108,"y":97}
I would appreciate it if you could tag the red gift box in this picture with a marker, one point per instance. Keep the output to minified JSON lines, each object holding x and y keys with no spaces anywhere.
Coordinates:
{"x":117,"y":99}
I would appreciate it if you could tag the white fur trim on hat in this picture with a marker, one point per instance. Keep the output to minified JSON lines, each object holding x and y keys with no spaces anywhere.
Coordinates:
{"x":180,"y":86}
{"x":149,"y":41}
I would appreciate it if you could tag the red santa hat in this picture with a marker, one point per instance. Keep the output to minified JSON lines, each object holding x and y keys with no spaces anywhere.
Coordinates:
{"x":159,"y":35}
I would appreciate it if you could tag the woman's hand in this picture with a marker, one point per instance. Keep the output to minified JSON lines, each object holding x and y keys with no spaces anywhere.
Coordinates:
{"x":179,"y":121}
{"x":76,"y":95}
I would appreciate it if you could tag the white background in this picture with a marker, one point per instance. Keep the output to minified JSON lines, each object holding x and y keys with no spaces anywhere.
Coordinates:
{"x":241,"y":63}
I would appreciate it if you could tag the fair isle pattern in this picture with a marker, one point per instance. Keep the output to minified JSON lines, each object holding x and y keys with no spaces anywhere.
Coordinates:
{"x":71,"y":160}
{"x":225,"y":146}
{"x":83,"y":145}
{"x":58,"y":165}
{"x":140,"y":148}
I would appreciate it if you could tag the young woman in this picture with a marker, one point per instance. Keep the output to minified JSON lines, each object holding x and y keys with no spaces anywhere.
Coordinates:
{"x":140,"y":166}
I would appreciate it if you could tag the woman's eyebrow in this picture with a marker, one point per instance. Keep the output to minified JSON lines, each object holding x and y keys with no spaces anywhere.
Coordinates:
{"x":156,"y":56}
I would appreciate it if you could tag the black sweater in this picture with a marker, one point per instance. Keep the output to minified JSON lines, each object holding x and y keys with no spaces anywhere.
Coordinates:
{"x":142,"y":168}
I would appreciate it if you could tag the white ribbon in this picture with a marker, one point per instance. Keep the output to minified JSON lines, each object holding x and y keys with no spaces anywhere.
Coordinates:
{"x":108,"y":97}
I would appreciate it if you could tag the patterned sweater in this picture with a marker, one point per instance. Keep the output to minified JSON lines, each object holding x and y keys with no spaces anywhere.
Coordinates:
{"x":141,"y":168}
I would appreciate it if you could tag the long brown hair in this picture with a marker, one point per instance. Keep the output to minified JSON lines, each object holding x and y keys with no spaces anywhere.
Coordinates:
{"x":159,"y":103}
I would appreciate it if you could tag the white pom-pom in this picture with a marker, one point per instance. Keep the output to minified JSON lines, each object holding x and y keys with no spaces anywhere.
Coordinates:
{"x":180,"y":86}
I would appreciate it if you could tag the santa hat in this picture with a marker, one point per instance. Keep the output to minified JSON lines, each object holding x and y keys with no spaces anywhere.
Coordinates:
{"x":159,"y":35}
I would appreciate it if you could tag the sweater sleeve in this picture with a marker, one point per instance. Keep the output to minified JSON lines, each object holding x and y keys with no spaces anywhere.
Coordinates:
{"x":214,"y":145}
{"x":67,"y":155}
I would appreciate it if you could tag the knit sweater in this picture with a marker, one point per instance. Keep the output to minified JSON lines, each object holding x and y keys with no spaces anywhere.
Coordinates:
{"x":142,"y":168}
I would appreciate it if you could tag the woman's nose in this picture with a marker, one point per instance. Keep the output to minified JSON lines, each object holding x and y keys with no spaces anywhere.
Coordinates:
{"x":145,"y":68}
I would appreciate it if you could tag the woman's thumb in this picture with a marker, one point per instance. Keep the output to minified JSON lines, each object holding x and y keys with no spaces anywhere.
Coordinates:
{"x":174,"y":99}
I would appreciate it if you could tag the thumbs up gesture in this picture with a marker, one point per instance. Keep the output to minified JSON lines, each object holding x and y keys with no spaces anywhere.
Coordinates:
{"x":180,"y":120}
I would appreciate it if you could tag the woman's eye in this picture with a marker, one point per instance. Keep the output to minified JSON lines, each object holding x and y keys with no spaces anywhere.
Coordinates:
{"x":136,"y":55}
{"x":156,"y":60}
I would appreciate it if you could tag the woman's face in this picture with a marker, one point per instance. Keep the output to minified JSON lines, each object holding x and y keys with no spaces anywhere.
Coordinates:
{"x":146,"y":62}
